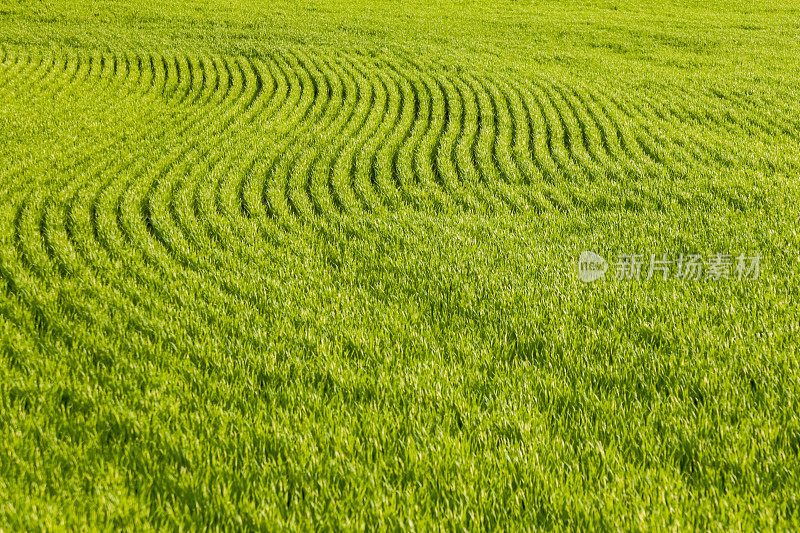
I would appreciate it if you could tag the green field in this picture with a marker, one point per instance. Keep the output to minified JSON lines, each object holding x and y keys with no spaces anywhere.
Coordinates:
{"x":292,"y":265}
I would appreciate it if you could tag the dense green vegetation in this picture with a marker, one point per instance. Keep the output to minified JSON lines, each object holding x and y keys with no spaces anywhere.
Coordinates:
{"x":292,"y":264}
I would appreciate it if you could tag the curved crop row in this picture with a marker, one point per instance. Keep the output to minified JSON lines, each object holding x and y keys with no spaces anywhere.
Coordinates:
{"x":185,"y":162}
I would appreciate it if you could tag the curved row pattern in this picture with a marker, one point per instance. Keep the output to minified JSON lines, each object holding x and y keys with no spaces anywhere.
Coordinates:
{"x":173,"y":164}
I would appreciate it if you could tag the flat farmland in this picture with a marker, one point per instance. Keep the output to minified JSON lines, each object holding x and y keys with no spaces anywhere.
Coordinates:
{"x":473,"y":265}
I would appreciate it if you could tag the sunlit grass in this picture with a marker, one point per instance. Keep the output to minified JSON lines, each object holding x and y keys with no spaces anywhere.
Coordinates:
{"x":271,"y":265}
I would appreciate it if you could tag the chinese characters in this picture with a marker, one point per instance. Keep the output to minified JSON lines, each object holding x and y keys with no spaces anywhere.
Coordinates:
{"x":694,"y":267}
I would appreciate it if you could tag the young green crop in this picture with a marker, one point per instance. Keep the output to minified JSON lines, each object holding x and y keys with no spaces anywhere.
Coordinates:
{"x":275,"y":265}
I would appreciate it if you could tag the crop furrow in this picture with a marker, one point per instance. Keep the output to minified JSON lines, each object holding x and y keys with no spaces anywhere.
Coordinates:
{"x":424,"y":156}
{"x":335,"y":171}
{"x":294,"y":126}
{"x":206,"y":130}
{"x":510,"y":149}
{"x":389,"y":154}
{"x":292,"y":187}
{"x":235,"y":138}
{"x":466,"y":164}
{"x":252,"y":187}
{"x":446,"y":150}
{"x":376,"y":128}
{"x":380,"y":163}
{"x":364,"y":176}
{"x":484,"y":148}
{"x":25,"y":67}
{"x":418,"y":192}
{"x":646,"y":137}
{"x":681,"y":131}
{"x":535,"y":185}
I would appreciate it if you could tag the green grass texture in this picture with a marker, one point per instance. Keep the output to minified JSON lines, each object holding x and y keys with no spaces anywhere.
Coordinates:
{"x":313,"y":265}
